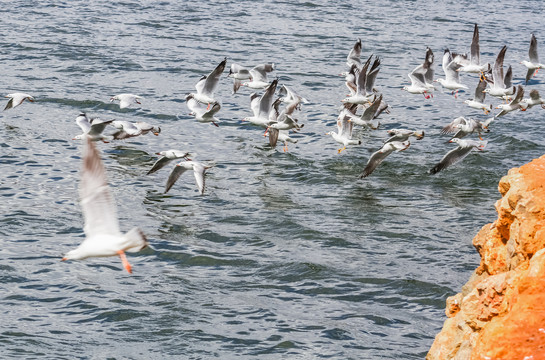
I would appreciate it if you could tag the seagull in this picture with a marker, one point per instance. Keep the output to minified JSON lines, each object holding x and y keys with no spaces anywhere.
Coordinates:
{"x":16,"y":99}
{"x":478,"y":100}
{"x":344,"y":134}
{"x":381,"y":154}
{"x":198,"y":170}
{"x":289,"y":96}
{"x":533,"y":65}
{"x":126,"y":100}
{"x":473,"y":64}
{"x":500,"y":86}
{"x":207,"y":85}
{"x":200,"y":112}
{"x":92,"y":128}
{"x":368,"y":115}
{"x":146,"y":128}
{"x":354,"y":56}
{"x":126,"y":129}
{"x":452,"y":76}
{"x":422,"y":77}
{"x":258,"y":76}
{"x":350,"y":79}
{"x":462,"y":127}
{"x":403,"y":135}
{"x":238,"y":73}
{"x":166,"y":157}
{"x":362,"y":94}
{"x":262,"y":106}
{"x":457,"y":154}
{"x":513,"y":105}
{"x":102,"y":234}
{"x":533,"y":100}
{"x":283,"y":120}
{"x":276,"y":135}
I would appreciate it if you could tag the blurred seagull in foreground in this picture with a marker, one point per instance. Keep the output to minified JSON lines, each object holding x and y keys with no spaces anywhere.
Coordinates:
{"x":102,"y":234}
{"x":16,"y":99}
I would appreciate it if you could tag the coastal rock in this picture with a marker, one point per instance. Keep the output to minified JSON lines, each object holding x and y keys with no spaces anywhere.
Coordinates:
{"x":500,"y":312}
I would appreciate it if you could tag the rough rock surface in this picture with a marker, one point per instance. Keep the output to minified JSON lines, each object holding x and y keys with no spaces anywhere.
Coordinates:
{"x":500,"y":312}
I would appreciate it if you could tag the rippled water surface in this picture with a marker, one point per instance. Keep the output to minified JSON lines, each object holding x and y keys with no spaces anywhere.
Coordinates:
{"x":287,"y":255}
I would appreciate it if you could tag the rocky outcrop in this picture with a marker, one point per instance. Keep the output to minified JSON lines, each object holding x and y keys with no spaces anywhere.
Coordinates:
{"x":500,"y":312}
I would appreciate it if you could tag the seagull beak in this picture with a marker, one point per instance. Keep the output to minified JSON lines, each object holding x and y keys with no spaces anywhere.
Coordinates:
{"x":64,"y":259}
{"x":157,"y":154}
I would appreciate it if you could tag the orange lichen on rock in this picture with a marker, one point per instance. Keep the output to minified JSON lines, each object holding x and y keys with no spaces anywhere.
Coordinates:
{"x":500,"y":313}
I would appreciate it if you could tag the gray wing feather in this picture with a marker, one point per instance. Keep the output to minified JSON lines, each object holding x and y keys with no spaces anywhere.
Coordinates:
{"x":174,"y":175}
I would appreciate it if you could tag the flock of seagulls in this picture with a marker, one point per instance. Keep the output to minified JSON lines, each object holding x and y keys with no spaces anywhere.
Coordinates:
{"x":274,"y":108}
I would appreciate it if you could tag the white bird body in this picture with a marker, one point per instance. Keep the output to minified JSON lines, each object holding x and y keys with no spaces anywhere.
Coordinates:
{"x":102,"y":234}
{"x":478,"y":100}
{"x":16,"y":99}
{"x":473,"y":64}
{"x":513,"y":105}
{"x":126,"y":100}
{"x":501,"y":85}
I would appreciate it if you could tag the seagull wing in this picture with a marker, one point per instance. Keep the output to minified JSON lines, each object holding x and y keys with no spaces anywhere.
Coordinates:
{"x":198,"y":171}
{"x":159,"y":164}
{"x":497,"y":70}
{"x":211,"y":81}
{"x":174,"y":175}
{"x":354,"y":55}
{"x":532,"y":52}
{"x":452,"y":157}
{"x":475,"y":51}
{"x":99,"y":211}
{"x":377,"y":158}
{"x":479,"y":91}
{"x":273,"y":136}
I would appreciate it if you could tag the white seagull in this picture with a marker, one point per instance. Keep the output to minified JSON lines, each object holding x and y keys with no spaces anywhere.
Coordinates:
{"x":166,"y":157}
{"x":354,"y":55}
{"x":533,"y":65}
{"x":473,"y":64}
{"x":199,"y":111}
{"x":126,"y":100}
{"x":478,"y":100}
{"x":513,"y":105}
{"x":92,"y":128}
{"x":238,"y":73}
{"x":452,"y":76}
{"x":198,"y":170}
{"x":258,"y":76}
{"x":422,"y":77}
{"x":500,"y":85}
{"x":207,"y":85}
{"x":262,"y":106}
{"x":462,"y":127}
{"x":458,"y":154}
{"x":381,"y":154}
{"x":102,"y":234}
{"x":403,"y":135}
{"x":344,"y":132}
{"x":533,"y":100}
{"x":16,"y":99}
